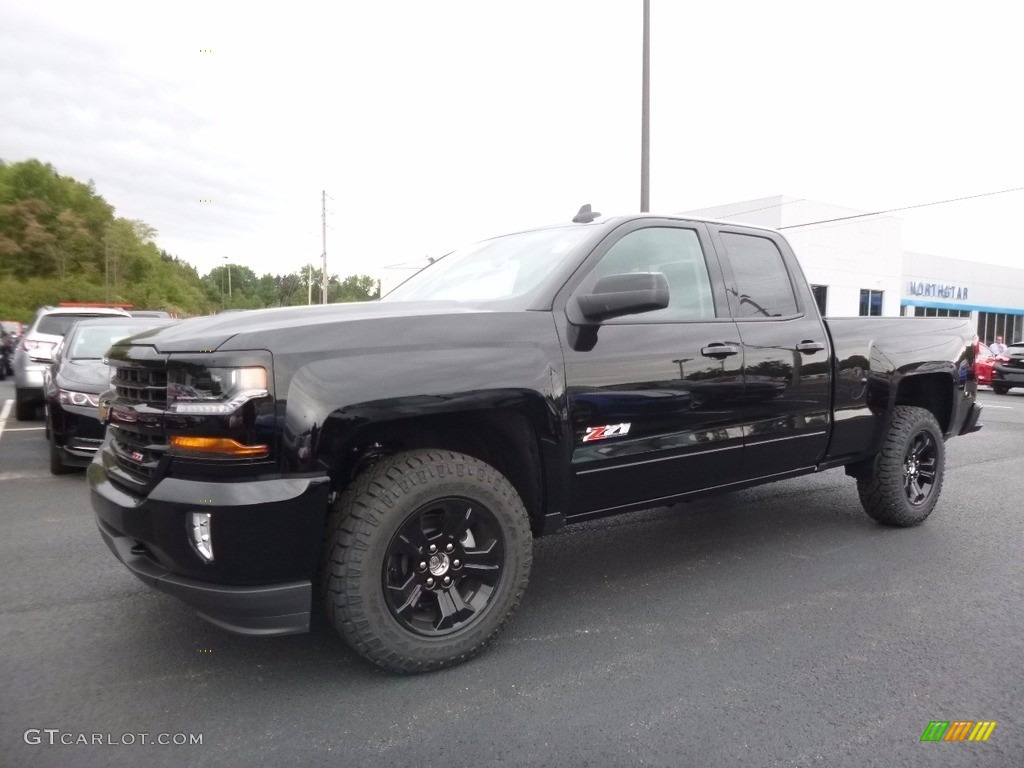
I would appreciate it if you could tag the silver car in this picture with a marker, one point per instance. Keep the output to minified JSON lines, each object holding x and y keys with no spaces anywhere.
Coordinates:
{"x":35,"y":351}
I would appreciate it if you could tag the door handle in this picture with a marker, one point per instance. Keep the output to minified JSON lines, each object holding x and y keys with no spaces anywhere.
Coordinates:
{"x":719,"y":350}
{"x":810,"y":347}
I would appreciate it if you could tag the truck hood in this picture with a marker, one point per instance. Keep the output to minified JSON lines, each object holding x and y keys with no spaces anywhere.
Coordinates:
{"x":84,"y":376}
{"x":214,"y":332}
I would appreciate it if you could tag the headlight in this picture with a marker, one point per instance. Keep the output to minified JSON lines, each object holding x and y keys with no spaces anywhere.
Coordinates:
{"x":197,"y":390}
{"x":67,"y":397}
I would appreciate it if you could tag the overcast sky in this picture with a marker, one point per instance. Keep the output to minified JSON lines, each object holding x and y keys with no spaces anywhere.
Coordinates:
{"x":434,"y":124}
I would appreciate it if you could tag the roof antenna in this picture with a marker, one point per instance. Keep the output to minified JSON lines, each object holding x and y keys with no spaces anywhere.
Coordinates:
{"x":585,"y":215}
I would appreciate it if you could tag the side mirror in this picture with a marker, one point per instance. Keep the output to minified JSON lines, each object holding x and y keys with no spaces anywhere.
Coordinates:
{"x":626,"y":294}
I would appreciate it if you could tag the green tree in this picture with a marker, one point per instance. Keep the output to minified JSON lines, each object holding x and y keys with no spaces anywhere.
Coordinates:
{"x":61,"y":241}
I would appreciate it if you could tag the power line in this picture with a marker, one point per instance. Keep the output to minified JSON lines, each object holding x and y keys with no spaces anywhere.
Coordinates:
{"x":904,"y":208}
{"x":766,"y":207}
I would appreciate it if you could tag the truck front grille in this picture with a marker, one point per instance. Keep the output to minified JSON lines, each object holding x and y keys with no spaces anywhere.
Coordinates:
{"x":139,"y":446}
{"x":142,"y":385}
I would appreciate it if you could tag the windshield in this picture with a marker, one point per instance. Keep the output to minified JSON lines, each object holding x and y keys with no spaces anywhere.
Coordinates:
{"x":92,"y":342}
{"x":497,"y":269}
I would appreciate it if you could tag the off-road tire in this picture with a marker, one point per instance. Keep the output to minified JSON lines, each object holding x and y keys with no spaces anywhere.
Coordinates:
{"x":905,"y":478}
{"x":392,"y":497}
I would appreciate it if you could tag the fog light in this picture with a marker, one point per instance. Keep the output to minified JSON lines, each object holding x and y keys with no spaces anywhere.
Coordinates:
{"x":201,"y":540}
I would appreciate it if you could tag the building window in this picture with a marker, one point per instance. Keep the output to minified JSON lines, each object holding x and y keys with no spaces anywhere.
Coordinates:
{"x":992,"y":324}
{"x":939,"y":312}
{"x":820,"y":297}
{"x":870,"y":303}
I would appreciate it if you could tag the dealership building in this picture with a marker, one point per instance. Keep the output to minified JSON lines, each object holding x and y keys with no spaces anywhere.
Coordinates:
{"x":856,"y":265}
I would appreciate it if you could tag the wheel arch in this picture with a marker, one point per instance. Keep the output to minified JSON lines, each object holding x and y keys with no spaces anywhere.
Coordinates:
{"x":502,"y":435}
{"x":931,"y":391}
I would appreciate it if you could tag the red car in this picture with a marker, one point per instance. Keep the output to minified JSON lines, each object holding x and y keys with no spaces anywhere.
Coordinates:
{"x":983,"y":360}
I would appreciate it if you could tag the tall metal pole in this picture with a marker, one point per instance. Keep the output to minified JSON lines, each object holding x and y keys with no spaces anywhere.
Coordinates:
{"x":645,"y":116}
{"x":106,"y":265}
{"x":323,"y":265}
{"x":309,"y":283}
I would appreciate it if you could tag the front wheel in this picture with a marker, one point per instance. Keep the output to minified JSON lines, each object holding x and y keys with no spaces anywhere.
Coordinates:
{"x":57,"y":465}
{"x":903,"y":483}
{"x":426,"y":558}
{"x":1000,"y":389}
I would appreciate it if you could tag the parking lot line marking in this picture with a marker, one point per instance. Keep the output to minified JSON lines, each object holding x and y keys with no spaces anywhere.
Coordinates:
{"x":5,"y":476}
{"x":25,"y":429}
{"x":4,"y":414}
{"x":1004,"y":407}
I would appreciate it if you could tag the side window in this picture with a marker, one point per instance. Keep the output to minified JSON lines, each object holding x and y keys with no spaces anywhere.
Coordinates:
{"x":674,"y":252}
{"x":762,"y":282}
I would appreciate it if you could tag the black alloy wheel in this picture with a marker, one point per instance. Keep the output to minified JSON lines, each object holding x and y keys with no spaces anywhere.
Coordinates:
{"x":443,"y":566}
{"x":919,"y":468}
{"x":901,"y":485}
{"x":426,"y":558}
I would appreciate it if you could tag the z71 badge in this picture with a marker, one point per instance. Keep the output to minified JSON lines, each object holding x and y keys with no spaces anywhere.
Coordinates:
{"x":600,"y":433}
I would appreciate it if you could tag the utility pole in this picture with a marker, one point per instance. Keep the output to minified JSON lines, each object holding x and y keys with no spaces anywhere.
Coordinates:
{"x":106,"y":265}
{"x":309,"y":283}
{"x":645,"y":116}
{"x":227,"y":266}
{"x":323,"y":262}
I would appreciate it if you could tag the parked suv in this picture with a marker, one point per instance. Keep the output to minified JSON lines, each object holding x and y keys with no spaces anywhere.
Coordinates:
{"x":10,"y":332}
{"x":35,"y":351}
{"x":1008,"y":369}
{"x":74,"y":383}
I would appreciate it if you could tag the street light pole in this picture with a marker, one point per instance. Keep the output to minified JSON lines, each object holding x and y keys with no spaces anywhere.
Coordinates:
{"x":323,"y":266}
{"x":645,"y":115}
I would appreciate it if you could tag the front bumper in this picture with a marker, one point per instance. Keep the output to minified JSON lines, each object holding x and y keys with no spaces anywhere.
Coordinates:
{"x":77,"y":432}
{"x":266,"y":538}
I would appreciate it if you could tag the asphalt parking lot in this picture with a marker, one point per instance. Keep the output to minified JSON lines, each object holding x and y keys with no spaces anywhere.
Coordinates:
{"x":773,"y":627}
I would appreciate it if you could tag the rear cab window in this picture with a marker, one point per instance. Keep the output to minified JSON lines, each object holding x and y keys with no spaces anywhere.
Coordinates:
{"x":761,"y":282}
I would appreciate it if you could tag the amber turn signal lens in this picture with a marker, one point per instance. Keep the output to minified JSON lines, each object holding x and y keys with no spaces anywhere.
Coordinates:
{"x":220,"y":446}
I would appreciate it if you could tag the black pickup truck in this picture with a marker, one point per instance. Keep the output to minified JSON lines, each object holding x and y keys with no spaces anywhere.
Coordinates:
{"x":395,"y":459}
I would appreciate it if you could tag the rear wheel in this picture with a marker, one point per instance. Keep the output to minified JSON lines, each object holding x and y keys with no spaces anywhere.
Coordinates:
{"x":905,"y":478}
{"x":24,"y":406}
{"x":426,"y":559}
{"x":1000,"y":389}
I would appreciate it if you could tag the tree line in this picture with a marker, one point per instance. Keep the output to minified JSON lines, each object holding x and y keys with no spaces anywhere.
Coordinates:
{"x":61,"y":241}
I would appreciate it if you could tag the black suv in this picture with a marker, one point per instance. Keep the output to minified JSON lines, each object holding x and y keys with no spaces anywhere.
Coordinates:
{"x":74,"y":382}
{"x":1008,"y":369}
